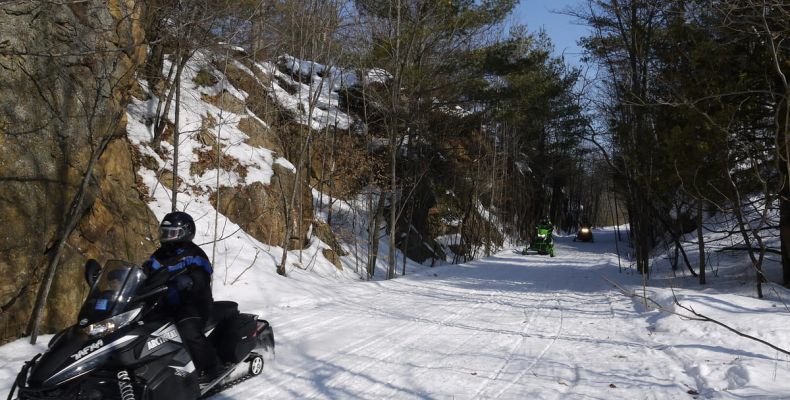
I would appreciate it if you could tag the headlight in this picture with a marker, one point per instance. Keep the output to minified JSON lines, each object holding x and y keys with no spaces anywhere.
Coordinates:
{"x":111,"y":325}
{"x":585,"y":230}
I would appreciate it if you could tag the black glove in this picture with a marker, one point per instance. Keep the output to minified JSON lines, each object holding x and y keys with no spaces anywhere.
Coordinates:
{"x":92,"y":271}
{"x":148,"y":268}
{"x":183,"y":282}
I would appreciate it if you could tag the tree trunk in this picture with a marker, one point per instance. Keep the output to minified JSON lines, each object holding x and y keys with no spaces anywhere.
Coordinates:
{"x":783,"y":130}
{"x":72,"y":218}
{"x":700,"y":243}
{"x":393,"y":205}
{"x":174,"y":205}
{"x":784,"y":232}
{"x":408,"y":236}
{"x":616,"y":218}
{"x":393,"y":129}
{"x":373,"y":236}
{"x":287,"y":237}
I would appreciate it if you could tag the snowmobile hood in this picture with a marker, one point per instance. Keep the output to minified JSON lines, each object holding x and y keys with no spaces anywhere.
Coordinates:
{"x":107,"y":310}
{"x":72,"y":355}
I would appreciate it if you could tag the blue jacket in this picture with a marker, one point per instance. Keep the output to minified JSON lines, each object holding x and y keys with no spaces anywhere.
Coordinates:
{"x":174,"y":257}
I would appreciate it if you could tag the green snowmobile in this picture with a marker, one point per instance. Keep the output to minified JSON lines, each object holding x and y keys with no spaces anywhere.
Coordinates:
{"x":543,"y":242}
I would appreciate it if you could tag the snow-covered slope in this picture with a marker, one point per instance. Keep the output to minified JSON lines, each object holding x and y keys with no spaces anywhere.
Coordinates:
{"x":244,"y":267}
{"x":513,"y":327}
{"x":308,"y":92}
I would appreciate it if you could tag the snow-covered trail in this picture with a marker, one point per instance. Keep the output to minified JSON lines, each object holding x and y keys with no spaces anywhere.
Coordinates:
{"x":511,"y":327}
{"x":508,"y":327}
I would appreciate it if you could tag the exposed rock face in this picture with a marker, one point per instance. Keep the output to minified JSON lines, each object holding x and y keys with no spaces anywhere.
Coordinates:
{"x":258,"y":209}
{"x":260,"y":136}
{"x":259,"y":103}
{"x":324,"y":232}
{"x":64,"y":70}
{"x":413,"y":231}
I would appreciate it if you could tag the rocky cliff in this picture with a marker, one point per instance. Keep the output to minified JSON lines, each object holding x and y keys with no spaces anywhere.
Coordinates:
{"x":66,"y":70}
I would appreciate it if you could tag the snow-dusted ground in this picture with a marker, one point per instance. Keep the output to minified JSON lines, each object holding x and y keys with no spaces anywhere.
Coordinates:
{"x":521,"y":327}
{"x":514,"y":327}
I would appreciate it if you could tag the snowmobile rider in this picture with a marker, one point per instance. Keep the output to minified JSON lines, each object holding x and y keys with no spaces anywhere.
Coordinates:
{"x":189,"y":300}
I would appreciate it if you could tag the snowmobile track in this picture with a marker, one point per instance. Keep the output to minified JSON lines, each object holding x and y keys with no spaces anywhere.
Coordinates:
{"x":538,"y":311}
{"x":539,"y":357}
{"x":383,"y":357}
{"x":509,"y":327}
{"x":425,"y":358}
{"x":350,"y":349}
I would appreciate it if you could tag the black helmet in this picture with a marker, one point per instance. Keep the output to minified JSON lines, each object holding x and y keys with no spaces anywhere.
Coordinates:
{"x":177,"y":227}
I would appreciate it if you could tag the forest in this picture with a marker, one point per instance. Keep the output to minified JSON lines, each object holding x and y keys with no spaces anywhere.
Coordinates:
{"x":686,"y":115}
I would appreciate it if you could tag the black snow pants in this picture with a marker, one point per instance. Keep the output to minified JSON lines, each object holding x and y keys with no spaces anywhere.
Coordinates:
{"x":191,"y":316}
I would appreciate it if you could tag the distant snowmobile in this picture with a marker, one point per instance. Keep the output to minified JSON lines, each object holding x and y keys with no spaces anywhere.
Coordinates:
{"x":543,"y":242}
{"x":125,"y":348}
{"x":584,"y":234}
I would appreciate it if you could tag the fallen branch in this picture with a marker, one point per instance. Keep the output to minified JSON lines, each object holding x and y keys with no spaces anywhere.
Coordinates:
{"x":248,"y":267}
{"x":697,"y":316}
{"x":701,"y":317}
{"x":744,"y":248}
{"x":647,"y":299}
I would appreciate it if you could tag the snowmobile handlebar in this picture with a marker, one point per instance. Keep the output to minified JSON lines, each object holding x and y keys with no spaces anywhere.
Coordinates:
{"x":160,"y":289}
{"x":149,"y":294}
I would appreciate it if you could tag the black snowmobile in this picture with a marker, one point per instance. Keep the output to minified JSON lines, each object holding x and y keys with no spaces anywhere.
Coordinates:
{"x":124,"y":347}
{"x":584,"y":234}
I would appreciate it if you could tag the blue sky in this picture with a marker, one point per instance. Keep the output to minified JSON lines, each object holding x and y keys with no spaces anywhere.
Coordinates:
{"x":562,"y":29}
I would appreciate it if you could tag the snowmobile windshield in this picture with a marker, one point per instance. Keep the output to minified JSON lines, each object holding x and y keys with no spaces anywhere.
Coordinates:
{"x":110,"y":295}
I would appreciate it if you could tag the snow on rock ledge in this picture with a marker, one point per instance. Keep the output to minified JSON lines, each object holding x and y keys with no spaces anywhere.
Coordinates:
{"x":238,"y":206}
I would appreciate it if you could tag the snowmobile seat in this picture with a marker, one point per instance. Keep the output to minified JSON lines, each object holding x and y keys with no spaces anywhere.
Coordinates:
{"x":222,"y":310}
{"x":234,"y":337}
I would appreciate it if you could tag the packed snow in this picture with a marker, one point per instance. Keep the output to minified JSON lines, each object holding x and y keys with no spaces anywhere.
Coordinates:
{"x":511,"y":326}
